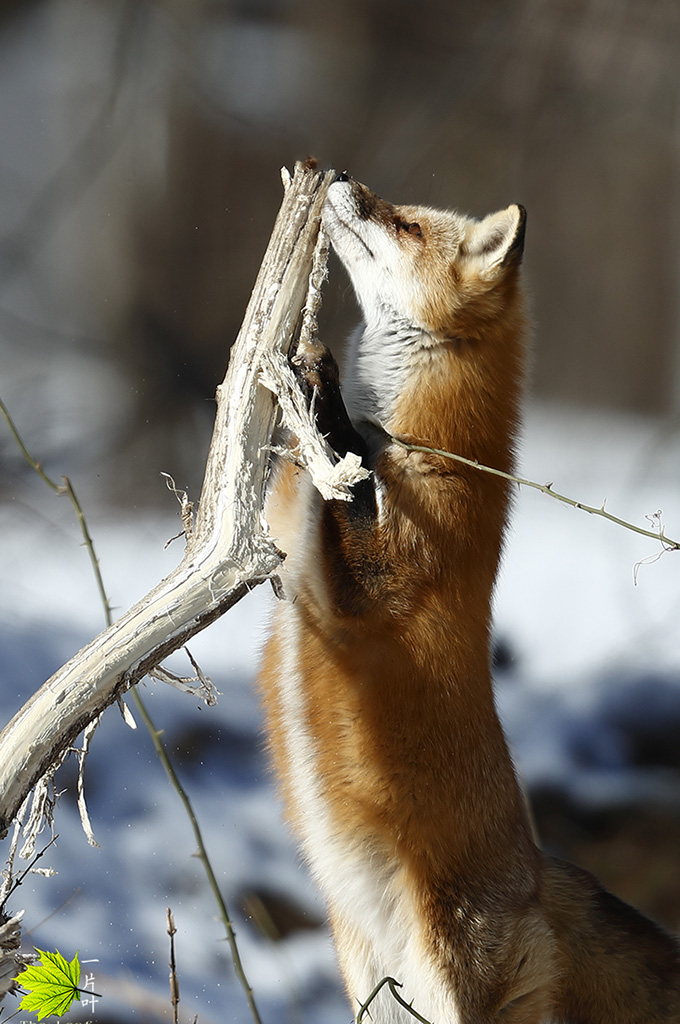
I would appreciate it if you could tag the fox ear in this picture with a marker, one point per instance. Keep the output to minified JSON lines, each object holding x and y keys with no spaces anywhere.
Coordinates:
{"x":497,"y":242}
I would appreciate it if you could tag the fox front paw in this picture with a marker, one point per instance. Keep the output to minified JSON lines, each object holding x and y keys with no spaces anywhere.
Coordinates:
{"x":316,"y":370}
{"x":318,"y":375}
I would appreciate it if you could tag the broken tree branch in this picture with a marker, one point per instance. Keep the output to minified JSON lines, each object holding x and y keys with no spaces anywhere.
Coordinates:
{"x":228,"y":552}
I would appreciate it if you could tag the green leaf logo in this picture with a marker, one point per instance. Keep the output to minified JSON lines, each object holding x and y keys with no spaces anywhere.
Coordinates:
{"x":53,"y":984}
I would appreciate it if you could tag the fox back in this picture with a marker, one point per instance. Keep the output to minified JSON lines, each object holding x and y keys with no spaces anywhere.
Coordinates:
{"x":376,"y":680}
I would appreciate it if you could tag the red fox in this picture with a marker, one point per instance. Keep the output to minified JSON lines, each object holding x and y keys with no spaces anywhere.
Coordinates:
{"x":376,"y":680}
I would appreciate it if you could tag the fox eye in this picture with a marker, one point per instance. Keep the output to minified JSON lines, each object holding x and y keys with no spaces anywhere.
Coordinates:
{"x":411,"y":229}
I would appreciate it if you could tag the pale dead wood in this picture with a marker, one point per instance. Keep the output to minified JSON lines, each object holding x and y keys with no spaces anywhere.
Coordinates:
{"x":229,"y":550}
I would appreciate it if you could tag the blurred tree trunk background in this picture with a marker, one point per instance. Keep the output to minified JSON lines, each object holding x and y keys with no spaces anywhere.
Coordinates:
{"x":141,"y":146}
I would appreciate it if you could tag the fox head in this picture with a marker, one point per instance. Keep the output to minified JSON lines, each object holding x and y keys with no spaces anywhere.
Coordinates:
{"x":415,"y":267}
{"x":428,"y":281}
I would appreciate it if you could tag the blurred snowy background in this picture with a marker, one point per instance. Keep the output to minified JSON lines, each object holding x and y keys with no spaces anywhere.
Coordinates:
{"x":139,"y":171}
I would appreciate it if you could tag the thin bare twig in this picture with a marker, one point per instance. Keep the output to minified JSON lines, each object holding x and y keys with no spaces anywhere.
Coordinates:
{"x":668,"y":543}
{"x":14,"y":881}
{"x":63,"y":488}
{"x":392,"y":985}
{"x":174,"y":981}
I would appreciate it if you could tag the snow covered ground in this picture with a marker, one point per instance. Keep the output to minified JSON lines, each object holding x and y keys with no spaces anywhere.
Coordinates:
{"x":591,"y":651}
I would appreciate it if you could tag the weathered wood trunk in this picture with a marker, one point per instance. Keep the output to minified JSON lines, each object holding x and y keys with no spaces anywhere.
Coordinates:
{"x":229,"y":550}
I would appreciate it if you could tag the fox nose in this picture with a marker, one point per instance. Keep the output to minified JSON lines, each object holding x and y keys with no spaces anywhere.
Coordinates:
{"x":342,"y":176}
